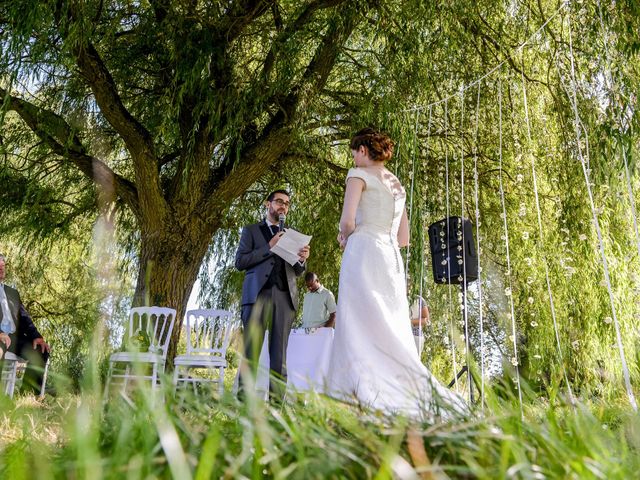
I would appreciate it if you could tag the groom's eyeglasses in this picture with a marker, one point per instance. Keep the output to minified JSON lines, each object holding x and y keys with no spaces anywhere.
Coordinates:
{"x":281,"y":203}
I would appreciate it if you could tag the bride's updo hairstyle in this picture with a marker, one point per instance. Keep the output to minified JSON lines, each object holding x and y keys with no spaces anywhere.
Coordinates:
{"x":379,"y":145}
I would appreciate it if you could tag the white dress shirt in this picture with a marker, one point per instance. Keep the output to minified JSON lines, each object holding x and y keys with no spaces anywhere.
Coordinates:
{"x":6,"y":313}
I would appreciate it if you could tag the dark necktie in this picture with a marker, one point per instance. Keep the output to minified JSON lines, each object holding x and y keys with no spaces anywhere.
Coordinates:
{"x":274,"y":230}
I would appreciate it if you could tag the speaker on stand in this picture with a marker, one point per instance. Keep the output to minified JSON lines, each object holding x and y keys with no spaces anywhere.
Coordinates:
{"x":455,"y":261}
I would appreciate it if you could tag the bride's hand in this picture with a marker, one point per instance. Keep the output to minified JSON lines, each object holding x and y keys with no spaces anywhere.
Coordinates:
{"x":342,"y":240}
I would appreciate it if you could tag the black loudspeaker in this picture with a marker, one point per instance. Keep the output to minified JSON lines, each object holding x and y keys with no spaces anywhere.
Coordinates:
{"x":453,"y":253}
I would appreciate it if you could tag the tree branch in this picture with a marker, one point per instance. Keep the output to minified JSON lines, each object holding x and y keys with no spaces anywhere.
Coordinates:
{"x":135,"y":136}
{"x":305,"y":17}
{"x":63,"y":141}
{"x":241,"y":14}
{"x":276,"y":136}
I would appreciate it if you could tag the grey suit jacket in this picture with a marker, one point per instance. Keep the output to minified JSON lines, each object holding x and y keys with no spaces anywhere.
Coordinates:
{"x":255,"y":258}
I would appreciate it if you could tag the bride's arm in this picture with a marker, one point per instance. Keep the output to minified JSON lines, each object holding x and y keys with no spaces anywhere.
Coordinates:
{"x":352,"y":195}
{"x":403,"y":231}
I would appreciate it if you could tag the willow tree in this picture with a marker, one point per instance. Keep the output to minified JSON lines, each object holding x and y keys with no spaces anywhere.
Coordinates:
{"x":160,"y":114}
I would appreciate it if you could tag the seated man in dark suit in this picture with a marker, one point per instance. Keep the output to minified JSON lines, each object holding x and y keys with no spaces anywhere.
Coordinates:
{"x":25,"y":340}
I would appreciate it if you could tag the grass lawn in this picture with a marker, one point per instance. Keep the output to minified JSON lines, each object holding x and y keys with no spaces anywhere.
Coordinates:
{"x":74,"y":436}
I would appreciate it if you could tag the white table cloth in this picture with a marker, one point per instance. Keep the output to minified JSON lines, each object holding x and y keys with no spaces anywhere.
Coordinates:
{"x":308,"y":357}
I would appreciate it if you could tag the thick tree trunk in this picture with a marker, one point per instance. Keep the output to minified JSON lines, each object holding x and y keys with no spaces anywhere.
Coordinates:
{"x":169,"y":263}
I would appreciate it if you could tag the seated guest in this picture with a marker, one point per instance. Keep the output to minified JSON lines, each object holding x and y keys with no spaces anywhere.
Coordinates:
{"x":24,"y":338}
{"x":319,"y":308}
{"x":419,"y":320}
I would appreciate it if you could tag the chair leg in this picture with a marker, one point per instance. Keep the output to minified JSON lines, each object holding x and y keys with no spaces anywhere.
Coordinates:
{"x":107,"y":383}
{"x":154,"y":384}
{"x":13,"y":378}
{"x":176,"y":375}
{"x":125,"y":381}
{"x":221,"y":381}
{"x":44,"y":380}
{"x":154,"y":377}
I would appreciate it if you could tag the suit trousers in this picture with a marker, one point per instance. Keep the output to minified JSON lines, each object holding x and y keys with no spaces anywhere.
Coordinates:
{"x":36,"y":360}
{"x":272,"y":311}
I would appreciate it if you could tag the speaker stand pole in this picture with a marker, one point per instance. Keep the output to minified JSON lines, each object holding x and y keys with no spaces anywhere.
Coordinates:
{"x":465,"y":368}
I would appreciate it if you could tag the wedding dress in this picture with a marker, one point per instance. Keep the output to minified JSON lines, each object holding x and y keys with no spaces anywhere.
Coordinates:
{"x":374,"y":360}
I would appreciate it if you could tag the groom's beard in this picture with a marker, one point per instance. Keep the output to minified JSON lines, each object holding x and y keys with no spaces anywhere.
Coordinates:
{"x":274,"y":214}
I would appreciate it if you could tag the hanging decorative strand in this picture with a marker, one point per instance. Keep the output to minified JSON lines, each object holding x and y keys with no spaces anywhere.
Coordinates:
{"x":514,"y":360}
{"x":478,"y":251}
{"x":413,"y":177}
{"x":465,"y":317}
{"x":541,"y":240}
{"x":446,"y":164}
{"x":586,"y":172}
{"x":422,"y":239}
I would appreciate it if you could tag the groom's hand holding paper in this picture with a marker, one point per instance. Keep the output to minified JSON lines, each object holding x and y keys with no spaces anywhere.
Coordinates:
{"x":292,"y":246}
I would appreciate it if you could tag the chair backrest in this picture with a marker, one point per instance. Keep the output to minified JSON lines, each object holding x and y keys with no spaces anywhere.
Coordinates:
{"x":209,"y":331}
{"x":157,"y":322}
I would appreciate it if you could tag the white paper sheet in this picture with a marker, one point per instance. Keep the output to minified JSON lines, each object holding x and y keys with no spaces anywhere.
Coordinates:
{"x":290,"y":244}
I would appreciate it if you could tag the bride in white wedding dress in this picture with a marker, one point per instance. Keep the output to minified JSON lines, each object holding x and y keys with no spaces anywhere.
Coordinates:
{"x":374,"y":360}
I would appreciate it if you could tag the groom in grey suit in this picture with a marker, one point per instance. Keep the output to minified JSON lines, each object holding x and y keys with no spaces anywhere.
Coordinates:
{"x":269,"y":291}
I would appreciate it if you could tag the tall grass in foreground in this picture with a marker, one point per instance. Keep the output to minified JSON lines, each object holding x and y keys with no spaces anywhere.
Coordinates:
{"x":73,"y":436}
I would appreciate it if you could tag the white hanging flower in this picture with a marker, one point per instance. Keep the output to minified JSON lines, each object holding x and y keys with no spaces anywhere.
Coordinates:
{"x":522,"y":211}
{"x":443,"y":262}
{"x":507,"y":292}
{"x":525,"y":235}
{"x":603,"y":283}
{"x":537,"y":356}
{"x":514,"y":361}
{"x":582,"y":237}
{"x":512,"y":338}
{"x":529,"y":280}
{"x":534,"y":324}
{"x":530,"y":300}
{"x":608,"y":320}
{"x":575,"y":343}
{"x":528,"y":261}
{"x":599,"y":210}
{"x":519,"y":178}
